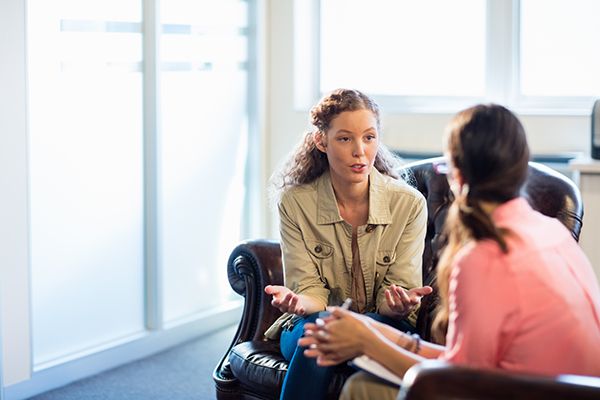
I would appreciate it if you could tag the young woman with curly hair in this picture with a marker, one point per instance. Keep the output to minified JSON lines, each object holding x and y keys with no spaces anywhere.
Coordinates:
{"x":349,"y":229}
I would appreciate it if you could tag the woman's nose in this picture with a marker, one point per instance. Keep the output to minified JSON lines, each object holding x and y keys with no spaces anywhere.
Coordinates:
{"x":359,"y":150}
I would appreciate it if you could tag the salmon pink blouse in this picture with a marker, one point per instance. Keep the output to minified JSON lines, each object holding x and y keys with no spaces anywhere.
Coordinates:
{"x":535,"y":309}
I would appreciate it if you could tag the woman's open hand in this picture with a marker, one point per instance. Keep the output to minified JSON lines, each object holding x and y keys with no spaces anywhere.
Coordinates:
{"x":402,"y":301}
{"x":285,"y":300}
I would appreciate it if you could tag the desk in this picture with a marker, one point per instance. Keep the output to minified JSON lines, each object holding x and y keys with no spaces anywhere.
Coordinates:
{"x":587,"y":177}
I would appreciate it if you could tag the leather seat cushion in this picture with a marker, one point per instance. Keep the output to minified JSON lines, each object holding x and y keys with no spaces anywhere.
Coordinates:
{"x":259,"y":365}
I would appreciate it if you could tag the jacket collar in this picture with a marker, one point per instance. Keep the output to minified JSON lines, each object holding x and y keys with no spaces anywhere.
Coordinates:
{"x":379,"y":207}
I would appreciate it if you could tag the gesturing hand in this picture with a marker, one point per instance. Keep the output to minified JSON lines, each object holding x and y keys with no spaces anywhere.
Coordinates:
{"x":285,"y":300}
{"x":403,"y":301}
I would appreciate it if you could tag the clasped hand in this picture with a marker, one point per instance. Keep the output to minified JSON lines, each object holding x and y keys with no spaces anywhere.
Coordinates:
{"x":339,"y":337}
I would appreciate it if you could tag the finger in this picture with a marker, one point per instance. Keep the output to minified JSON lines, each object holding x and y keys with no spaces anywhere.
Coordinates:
{"x":312,"y":353}
{"x":307,"y":341}
{"x":414,"y":299}
{"x":390,"y":299}
{"x":294,"y":306}
{"x":321,"y":336}
{"x":309,"y":326}
{"x":272,"y":289}
{"x":404,"y":297}
{"x":286,"y":299}
{"x":399,"y":301}
{"x":329,"y":318}
{"x":339,"y":312}
{"x":326,"y":362}
{"x":422,"y":291}
{"x":309,"y":333}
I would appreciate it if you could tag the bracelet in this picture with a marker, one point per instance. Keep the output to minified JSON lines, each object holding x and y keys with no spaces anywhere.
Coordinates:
{"x":417,"y":343}
{"x":414,"y":346}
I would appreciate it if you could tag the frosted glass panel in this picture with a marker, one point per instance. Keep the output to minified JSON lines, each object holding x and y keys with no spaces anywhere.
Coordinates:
{"x":559,"y":47}
{"x":206,"y":14}
{"x":409,"y":48}
{"x":203,"y":152}
{"x":86,"y":187}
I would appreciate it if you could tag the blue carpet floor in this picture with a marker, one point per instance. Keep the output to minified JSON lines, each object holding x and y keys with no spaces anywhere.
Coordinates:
{"x":181,"y":373}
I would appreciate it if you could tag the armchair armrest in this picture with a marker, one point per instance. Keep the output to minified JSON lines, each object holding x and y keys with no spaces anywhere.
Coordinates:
{"x":437,"y":380}
{"x":252,"y":265}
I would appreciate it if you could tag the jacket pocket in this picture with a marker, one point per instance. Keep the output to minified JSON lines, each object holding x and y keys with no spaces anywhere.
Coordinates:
{"x":322,"y":254}
{"x":384,"y":259}
{"x":319,"y":249}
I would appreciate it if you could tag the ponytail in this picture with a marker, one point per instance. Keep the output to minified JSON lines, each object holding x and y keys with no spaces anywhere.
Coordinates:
{"x":466,"y":221}
{"x":487,"y":145}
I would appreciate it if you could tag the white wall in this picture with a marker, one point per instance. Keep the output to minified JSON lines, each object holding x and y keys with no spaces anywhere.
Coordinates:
{"x":406,"y":132}
{"x":14,"y":262}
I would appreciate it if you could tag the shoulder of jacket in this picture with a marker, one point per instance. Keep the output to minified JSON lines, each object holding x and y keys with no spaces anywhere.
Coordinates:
{"x":400,"y":188}
{"x":295,"y":193}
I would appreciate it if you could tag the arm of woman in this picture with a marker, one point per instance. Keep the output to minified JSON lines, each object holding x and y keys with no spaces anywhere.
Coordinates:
{"x":427,"y":349}
{"x":304,"y":292}
{"x":346,"y":335}
{"x":393,"y":299}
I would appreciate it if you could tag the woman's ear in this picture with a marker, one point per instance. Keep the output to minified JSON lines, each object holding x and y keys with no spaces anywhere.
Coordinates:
{"x":457,"y":183}
{"x":320,"y":141}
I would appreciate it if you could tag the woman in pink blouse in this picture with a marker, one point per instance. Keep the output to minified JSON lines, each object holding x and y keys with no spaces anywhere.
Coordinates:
{"x":517,"y":291}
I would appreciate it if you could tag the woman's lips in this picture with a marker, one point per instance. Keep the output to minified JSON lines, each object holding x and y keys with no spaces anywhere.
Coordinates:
{"x":358,"y":168}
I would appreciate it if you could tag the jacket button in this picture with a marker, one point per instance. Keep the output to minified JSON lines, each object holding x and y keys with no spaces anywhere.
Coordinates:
{"x":318,"y":249}
{"x":369,"y":228}
{"x":386,"y":259}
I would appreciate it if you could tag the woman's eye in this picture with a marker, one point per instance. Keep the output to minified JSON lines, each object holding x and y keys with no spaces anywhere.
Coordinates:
{"x":371,"y":137}
{"x":343,"y":139}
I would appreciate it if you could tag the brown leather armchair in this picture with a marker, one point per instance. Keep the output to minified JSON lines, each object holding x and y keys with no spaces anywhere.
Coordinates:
{"x":253,"y":368}
{"x":437,"y":380}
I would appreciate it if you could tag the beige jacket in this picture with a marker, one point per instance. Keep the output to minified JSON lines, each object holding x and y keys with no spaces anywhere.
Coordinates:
{"x":316,"y":241}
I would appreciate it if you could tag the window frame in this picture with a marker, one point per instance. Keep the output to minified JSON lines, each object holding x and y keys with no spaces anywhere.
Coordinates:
{"x":502,"y":69}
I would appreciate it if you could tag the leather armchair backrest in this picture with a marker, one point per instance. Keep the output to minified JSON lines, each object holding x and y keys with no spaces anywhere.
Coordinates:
{"x":548,"y":192}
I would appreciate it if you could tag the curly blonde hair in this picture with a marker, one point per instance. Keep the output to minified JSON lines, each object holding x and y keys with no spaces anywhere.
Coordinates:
{"x":307,"y":162}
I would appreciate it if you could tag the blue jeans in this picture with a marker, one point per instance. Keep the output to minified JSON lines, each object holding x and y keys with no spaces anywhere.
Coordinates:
{"x":304,"y":378}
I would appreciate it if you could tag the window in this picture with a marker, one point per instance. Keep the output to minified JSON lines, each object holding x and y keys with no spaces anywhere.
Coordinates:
{"x":397,"y":48}
{"x":86,"y":178}
{"x":559,"y":41}
{"x":437,"y":56}
{"x":139,"y":132}
{"x":204,"y":139}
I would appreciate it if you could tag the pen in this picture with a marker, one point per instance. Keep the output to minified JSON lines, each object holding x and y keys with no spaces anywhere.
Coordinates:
{"x":347,"y":304}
